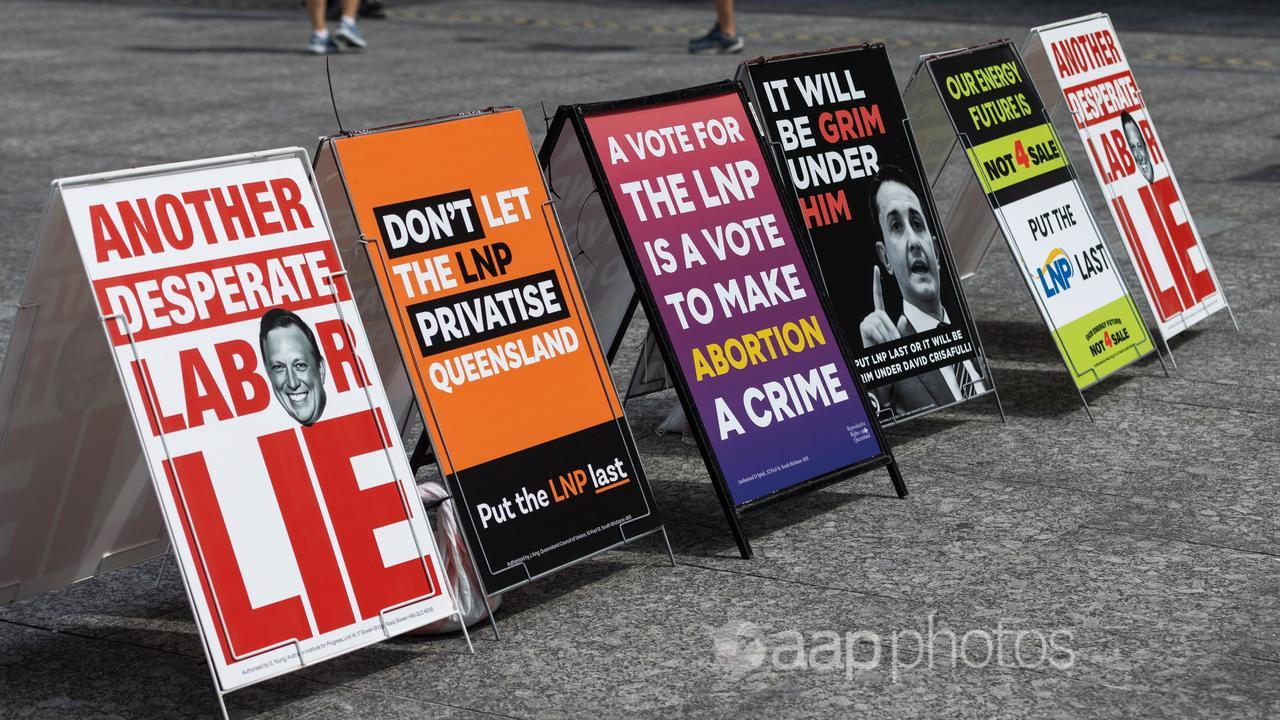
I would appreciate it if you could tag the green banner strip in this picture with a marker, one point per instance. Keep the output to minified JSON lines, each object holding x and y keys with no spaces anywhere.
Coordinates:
{"x":1013,"y":158}
{"x":1103,"y":341}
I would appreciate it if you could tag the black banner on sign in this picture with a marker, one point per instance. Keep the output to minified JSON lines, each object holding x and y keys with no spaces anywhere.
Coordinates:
{"x":429,"y":223}
{"x":488,"y":312}
{"x":916,"y":355}
{"x":838,"y":121}
{"x":514,"y":513}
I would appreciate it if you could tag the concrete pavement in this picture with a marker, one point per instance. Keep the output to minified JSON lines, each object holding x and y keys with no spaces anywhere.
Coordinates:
{"x":1147,"y":544}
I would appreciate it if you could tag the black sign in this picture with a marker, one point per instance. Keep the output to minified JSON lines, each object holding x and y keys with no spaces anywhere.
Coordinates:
{"x":429,"y":223}
{"x":838,"y":121}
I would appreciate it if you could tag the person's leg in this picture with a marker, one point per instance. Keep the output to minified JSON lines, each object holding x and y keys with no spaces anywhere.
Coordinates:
{"x":724,"y":17}
{"x":321,"y":43}
{"x":349,"y":8}
{"x":315,"y":9}
{"x":724,"y":37}
{"x":347,"y":30}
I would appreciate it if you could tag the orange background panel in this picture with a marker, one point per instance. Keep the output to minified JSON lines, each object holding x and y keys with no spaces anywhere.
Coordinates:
{"x":487,"y":153}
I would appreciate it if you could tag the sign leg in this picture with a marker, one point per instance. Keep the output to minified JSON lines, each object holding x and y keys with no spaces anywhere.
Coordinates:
{"x":1232,"y":313}
{"x":1173,"y":361}
{"x":222,"y":704}
{"x":1086,"y":405}
{"x":475,"y":568}
{"x":667,"y":540}
{"x":488,"y":609}
{"x":493,"y":622}
{"x":1161,"y":356}
{"x":466,"y":633}
{"x":740,"y":537}
{"x":895,"y":475}
{"x":164,"y":562}
{"x":1000,"y":407}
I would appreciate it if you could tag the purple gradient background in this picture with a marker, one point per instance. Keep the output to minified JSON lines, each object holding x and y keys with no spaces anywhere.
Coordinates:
{"x":821,"y":435}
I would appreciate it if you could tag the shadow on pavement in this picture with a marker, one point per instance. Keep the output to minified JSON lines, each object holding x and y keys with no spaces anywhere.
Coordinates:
{"x":584,"y":49}
{"x":797,"y":510}
{"x":223,"y":50}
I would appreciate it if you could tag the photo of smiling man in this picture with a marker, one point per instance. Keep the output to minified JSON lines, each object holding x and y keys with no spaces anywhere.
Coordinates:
{"x":294,"y":365}
{"x":908,"y":251}
{"x":1137,"y":146}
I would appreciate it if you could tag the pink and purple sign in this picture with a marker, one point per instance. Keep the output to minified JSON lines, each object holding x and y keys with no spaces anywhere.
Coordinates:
{"x":735,"y":302}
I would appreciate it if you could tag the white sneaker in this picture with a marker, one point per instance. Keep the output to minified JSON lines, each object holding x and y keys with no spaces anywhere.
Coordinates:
{"x":350,"y":34}
{"x":322,"y":45}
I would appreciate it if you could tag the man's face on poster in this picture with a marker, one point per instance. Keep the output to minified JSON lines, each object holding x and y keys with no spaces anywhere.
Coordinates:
{"x":297,"y":375}
{"x":1138,"y":148}
{"x":907,"y":246}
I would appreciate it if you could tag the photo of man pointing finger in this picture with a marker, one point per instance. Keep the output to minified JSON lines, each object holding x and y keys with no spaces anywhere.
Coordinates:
{"x":883,"y":253}
{"x":908,"y":252}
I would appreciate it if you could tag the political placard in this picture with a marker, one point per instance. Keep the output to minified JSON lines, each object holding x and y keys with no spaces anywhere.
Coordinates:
{"x":82,"y":505}
{"x":512,"y":382}
{"x":1018,"y":158}
{"x":839,"y":123}
{"x":711,"y":243}
{"x":1084,"y":59}
{"x":268,"y":437}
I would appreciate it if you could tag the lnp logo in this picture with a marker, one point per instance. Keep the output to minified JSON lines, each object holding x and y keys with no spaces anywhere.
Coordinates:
{"x":1057,"y":269}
